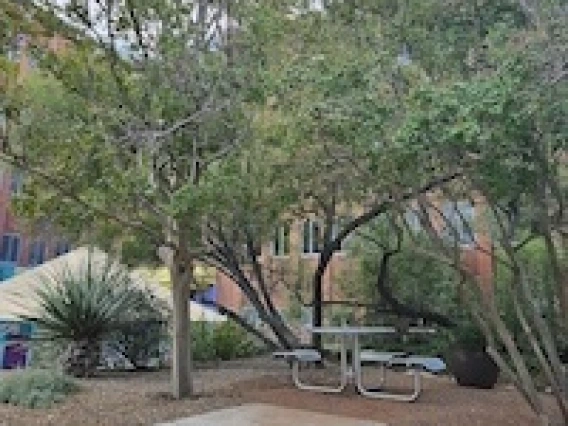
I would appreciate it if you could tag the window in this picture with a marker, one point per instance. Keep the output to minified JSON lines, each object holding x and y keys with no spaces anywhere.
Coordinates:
{"x":460,"y":217}
{"x":281,"y":241}
{"x":61,"y":248}
{"x":337,"y":226}
{"x":10,"y":249}
{"x":312,"y":237}
{"x":37,"y":253}
{"x":17,"y":182}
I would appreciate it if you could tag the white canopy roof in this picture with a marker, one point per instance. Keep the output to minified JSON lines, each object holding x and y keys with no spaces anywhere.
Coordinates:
{"x":17,"y":295}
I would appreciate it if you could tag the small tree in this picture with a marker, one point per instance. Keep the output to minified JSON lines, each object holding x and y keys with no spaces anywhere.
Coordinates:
{"x":114,"y":129}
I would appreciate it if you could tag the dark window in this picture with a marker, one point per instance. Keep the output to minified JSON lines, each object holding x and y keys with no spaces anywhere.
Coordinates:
{"x":61,"y":248}
{"x":312,"y":237}
{"x":37,"y":253}
{"x":10,"y":249}
{"x":281,"y":242}
{"x":338,"y":224}
{"x":458,"y":223}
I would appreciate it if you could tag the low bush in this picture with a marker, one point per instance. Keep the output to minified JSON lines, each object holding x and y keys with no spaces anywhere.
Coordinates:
{"x":222,"y":341}
{"x":35,"y":388}
{"x":46,"y":354}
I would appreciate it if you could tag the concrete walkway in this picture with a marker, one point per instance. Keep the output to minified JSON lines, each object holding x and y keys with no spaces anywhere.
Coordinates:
{"x":267,"y":415}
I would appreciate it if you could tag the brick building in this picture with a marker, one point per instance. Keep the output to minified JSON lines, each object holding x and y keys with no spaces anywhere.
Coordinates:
{"x":296,"y":247}
{"x":21,"y":248}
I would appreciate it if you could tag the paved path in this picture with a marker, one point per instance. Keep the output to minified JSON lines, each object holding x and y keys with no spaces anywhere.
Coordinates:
{"x":267,"y":415}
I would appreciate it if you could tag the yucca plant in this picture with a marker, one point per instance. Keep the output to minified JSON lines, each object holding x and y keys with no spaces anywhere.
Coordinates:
{"x":86,"y":307}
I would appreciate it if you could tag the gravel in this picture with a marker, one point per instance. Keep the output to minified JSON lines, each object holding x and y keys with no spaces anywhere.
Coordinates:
{"x":124,"y":399}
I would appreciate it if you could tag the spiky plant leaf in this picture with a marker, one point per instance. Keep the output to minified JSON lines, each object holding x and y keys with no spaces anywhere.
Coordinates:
{"x":90,"y":304}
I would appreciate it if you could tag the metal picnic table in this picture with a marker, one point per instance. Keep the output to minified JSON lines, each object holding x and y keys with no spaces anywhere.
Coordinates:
{"x":350,"y":336}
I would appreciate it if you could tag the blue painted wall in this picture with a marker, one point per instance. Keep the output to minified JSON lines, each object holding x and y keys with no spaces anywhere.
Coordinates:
{"x":7,"y":270}
{"x":14,"y":344}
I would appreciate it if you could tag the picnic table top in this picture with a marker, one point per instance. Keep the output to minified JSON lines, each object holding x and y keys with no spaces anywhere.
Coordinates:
{"x":352,"y":330}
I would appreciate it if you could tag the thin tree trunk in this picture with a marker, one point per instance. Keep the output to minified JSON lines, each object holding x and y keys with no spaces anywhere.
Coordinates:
{"x":225,"y":258}
{"x":525,"y":379}
{"x":181,"y":270}
{"x":560,"y":279}
{"x":317,"y":314}
{"x":550,"y":363}
{"x":276,"y":322}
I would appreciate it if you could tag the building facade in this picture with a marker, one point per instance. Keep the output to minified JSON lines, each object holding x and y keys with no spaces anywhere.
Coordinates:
{"x":21,"y":248}
{"x":294,"y":251}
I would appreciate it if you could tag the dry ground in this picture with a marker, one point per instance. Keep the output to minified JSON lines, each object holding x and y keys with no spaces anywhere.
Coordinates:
{"x":123,"y":399}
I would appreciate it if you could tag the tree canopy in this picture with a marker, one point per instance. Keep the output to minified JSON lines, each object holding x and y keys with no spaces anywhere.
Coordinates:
{"x":197,"y":126}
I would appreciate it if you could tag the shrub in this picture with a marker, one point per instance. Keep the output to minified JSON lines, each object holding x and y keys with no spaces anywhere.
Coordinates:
{"x":46,"y":354}
{"x":223,"y":341}
{"x":140,"y":342}
{"x":34,"y":388}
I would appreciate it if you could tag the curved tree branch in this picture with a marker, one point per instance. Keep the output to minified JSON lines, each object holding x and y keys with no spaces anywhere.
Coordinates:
{"x":398,"y":307}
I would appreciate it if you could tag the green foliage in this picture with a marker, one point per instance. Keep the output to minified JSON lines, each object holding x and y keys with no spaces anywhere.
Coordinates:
{"x":294,"y":312}
{"x":467,"y":335}
{"x":414,"y":277}
{"x":536,"y":262}
{"x":224,"y":341}
{"x":139,"y":342}
{"x":35,"y":388}
{"x":46,"y":353}
{"x":98,"y":300}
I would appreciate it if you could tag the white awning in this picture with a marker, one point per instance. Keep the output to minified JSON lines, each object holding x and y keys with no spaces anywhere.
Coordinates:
{"x":17,"y":295}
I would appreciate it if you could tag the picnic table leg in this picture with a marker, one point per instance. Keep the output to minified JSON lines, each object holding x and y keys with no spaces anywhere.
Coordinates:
{"x":357,"y":368}
{"x":417,"y":380}
{"x":343,"y":358}
{"x":318,"y":388}
{"x":356,"y":359}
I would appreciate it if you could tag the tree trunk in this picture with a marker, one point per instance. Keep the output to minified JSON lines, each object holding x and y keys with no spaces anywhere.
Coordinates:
{"x":181,"y":270}
{"x":317,"y":314}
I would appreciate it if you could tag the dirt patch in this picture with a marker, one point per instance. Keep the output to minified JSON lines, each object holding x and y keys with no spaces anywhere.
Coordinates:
{"x":139,"y":398}
{"x":441,"y":403}
{"x":142,"y":399}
